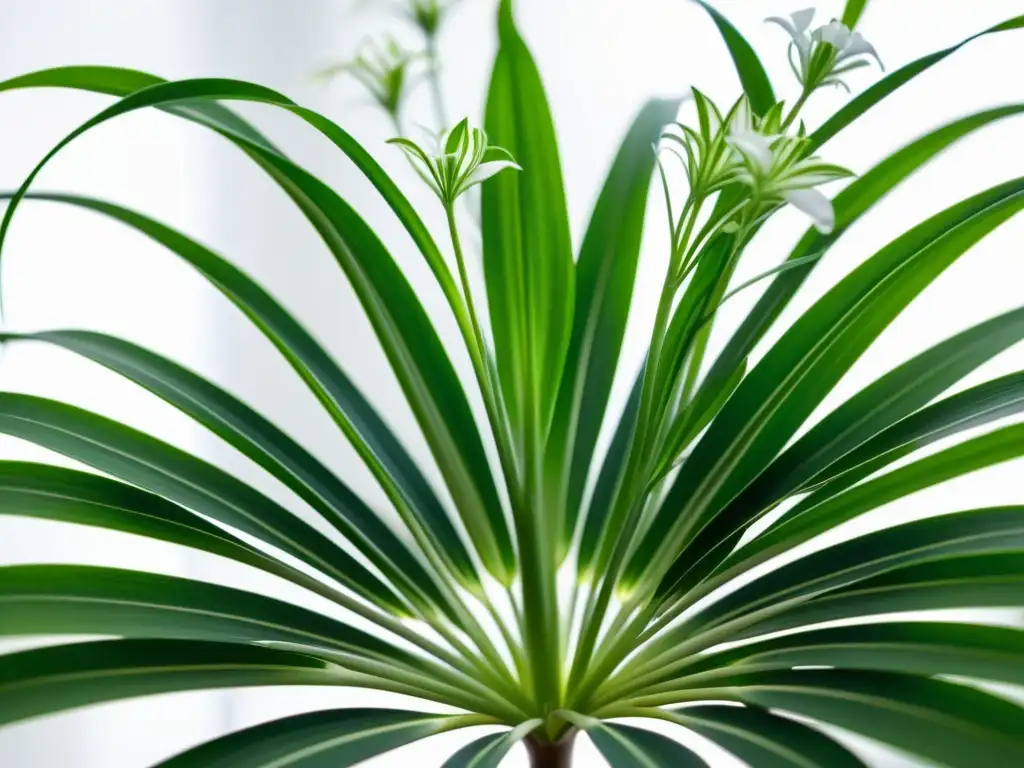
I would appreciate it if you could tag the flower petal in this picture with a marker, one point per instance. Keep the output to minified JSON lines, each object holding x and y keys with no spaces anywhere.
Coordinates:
{"x":484,"y":171}
{"x":755,"y":148}
{"x":802,"y":19}
{"x":834,"y":33}
{"x":858,"y":46}
{"x":816,"y":205}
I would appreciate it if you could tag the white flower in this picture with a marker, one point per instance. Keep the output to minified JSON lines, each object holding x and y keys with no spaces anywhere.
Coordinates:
{"x":461,"y":159}
{"x":816,"y":205}
{"x":827,"y":52}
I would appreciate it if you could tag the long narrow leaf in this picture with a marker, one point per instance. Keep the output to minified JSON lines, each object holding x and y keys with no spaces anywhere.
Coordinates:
{"x":752,"y":76}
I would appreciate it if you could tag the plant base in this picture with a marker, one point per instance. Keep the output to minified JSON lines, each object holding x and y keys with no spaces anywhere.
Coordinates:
{"x":551,"y":754}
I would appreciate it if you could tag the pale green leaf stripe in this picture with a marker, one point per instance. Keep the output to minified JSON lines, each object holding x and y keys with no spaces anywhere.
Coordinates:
{"x":57,"y":678}
{"x":981,"y":530}
{"x":263,"y":442}
{"x":334,"y":738}
{"x":624,"y":746}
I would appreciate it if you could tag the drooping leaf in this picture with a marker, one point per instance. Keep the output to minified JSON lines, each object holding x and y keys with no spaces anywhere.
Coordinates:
{"x":372,"y":438}
{"x":948,"y":723}
{"x":624,"y":746}
{"x":264,"y":443}
{"x":333,"y":738}
{"x":168,"y":471}
{"x":489,"y":751}
{"x":761,"y":738}
{"x":56,"y":678}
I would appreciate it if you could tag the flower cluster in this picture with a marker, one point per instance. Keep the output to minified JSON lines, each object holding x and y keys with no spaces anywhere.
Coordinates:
{"x":461,"y":159}
{"x":822,"y":56}
{"x":382,"y":67}
{"x":741,"y":148}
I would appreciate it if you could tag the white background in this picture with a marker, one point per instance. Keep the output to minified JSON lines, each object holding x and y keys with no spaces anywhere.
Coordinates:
{"x":601,"y":60}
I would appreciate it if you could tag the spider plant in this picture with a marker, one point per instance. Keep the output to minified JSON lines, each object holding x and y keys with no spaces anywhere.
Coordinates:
{"x":551,"y":588}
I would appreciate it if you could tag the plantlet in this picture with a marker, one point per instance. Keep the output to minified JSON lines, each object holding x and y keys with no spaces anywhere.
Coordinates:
{"x":704,"y":480}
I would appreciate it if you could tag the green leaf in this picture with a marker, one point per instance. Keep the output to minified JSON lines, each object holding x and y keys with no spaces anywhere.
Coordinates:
{"x":122,"y":82}
{"x":853,"y":11}
{"x":58,"y":678}
{"x":369,"y":434}
{"x":334,"y":738}
{"x":982,"y":530}
{"x":974,"y":407}
{"x":805,"y":522}
{"x":91,"y":600}
{"x":850,"y":204}
{"x":54,"y":493}
{"x":885,"y":402}
{"x":920,"y":647}
{"x":167,"y":471}
{"x":803,"y":366}
{"x":264,"y":443}
{"x":605,"y":275}
{"x":489,"y":751}
{"x":417,"y":357}
{"x":761,"y":738}
{"x":608,"y":479}
{"x":752,"y":75}
{"x":403,"y":328}
{"x":626,"y":747}
{"x":945,"y":722}
{"x":527,"y":252}
{"x":887,"y":85}
{"x":987,"y":580}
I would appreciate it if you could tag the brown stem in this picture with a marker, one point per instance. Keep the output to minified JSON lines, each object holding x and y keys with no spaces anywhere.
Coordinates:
{"x":551,"y":754}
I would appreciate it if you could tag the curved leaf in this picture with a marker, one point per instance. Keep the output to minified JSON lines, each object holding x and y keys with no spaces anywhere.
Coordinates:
{"x":752,"y":75}
{"x":170,"y":472}
{"x":804,"y":523}
{"x":376,"y":443}
{"x":810,"y":358}
{"x":264,"y":443}
{"x":57,"y":678}
{"x":982,"y":530}
{"x":761,"y":738}
{"x":626,"y":747}
{"x":882,"y":404}
{"x":605,"y":274}
{"x":54,"y":493}
{"x":921,"y":648}
{"x":92,"y":600}
{"x":489,"y":751}
{"x":987,"y":580}
{"x":887,"y":85}
{"x":850,"y":204}
{"x":948,"y":723}
{"x":334,"y":738}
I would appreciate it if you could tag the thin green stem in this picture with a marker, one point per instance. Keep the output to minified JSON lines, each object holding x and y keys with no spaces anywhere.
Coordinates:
{"x":436,"y":93}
